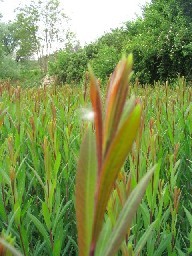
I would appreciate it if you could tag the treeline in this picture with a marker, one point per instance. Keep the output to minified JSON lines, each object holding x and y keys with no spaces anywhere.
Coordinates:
{"x":38,"y":29}
{"x":161,"y":42}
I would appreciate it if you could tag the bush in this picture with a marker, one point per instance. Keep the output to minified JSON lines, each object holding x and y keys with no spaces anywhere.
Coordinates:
{"x":9,"y":68}
{"x":69,"y":66}
{"x":160,"y":42}
{"x":105,"y":61}
{"x":77,"y":66}
{"x":59,"y":67}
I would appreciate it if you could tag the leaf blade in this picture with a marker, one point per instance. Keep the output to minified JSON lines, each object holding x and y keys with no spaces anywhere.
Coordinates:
{"x":126,"y":216}
{"x":114,"y":160}
{"x":85,"y":191}
{"x":116,"y":97}
{"x":144,"y":238}
{"x":41,"y":228}
{"x":97,"y":108}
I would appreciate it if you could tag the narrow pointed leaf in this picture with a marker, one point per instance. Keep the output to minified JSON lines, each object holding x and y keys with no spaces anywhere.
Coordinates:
{"x":189,"y":216}
{"x":97,"y":108}
{"x":123,"y":90}
{"x":165,"y":242}
{"x":144,"y":238}
{"x":117,"y":153}
{"x":46,"y":215}
{"x":41,"y":229}
{"x":127,"y":214}
{"x":129,"y":106}
{"x":2,"y":207}
{"x":116,"y":97}
{"x":85,"y":190}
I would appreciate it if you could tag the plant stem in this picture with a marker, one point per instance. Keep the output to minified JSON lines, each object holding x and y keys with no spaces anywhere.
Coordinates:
{"x":22,"y":244}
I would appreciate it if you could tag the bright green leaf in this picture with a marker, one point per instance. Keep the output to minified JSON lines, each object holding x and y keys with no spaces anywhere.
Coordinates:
{"x":141,"y":243}
{"x":46,"y":215}
{"x":127,"y":214}
{"x":41,"y":229}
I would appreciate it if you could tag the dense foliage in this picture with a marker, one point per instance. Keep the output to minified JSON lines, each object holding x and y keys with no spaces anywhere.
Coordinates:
{"x":38,"y":156}
{"x":8,"y":66}
{"x":41,"y":130}
{"x":160,"y":41}
{"x":38,"y":28}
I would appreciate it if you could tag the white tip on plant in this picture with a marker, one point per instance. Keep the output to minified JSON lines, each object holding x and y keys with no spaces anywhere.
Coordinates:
{"x":87,"y":114}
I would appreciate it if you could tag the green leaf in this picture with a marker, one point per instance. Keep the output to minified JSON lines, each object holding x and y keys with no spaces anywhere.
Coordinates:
{"x":37,"y":176}
{"x":41,"y":228}
{"x":62,"y":210}
{"x":21,"y":179}
{"x":2,"y":208}
{"x":163,"y":245}
{"x":11,"y":221}
{"x":145,"y":214}
{"x":152,"y":190}
{"x":57,"y":164}
{"x":126,"y":215}
{"x":180,"y":253}
{"x":24,"y":233}
{"x":58,"y":239}
{"x":46,"y":215}
{"x":128,"y":108}
{"x":141,"y":243}
{"x":17,"y":212}
{"x":103,"y":238}
{"x":5,"y":177}
{"x":116,"y":156}
{"x":39,"y":248}
{"x":189,"y":216}
{"x":85,"y":191}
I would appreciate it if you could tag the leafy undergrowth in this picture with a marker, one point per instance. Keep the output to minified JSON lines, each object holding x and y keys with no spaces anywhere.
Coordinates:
{"x":40,"y":134}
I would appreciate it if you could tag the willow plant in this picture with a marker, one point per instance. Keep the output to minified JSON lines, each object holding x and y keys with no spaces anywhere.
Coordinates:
{"x":102,"y":155}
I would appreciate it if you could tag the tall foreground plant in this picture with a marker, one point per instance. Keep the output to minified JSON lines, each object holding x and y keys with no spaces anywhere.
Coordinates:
{"x":102,"y":156}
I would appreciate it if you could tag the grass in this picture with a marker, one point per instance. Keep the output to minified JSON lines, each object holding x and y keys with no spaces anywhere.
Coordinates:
{"x":40,"y":133}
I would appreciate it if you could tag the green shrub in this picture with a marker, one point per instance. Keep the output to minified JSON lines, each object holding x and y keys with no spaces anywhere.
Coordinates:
{"x":160,"y":42}
{"x":9,"y":68}
{"x":69,"y":66}
{"x":105,"y":61}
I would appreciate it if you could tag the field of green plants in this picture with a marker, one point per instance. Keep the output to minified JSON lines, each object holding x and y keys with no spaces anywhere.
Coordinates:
{"x":41,"y":130}
{"x":96,"y":167}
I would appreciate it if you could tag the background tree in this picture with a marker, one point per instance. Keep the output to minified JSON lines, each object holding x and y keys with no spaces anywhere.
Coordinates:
{"x":25,"y":31}
{"x":186,"y":7}
{"x":7,"y":41}
{"x":8,"y":66}
{"x":105,"y":61}
{"x":160,"y":41}
{"x":41,"y":28}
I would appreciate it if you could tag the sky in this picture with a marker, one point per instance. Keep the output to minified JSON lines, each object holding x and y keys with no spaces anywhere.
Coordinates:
{"x":89,"y":18}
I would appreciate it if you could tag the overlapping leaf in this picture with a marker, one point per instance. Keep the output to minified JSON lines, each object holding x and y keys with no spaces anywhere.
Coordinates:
{"x":117,"y":153}
{"x":126,"y":216}
{"x":85,"y":189}
{"x":97,"y":108}
{"x":116,"y":98}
